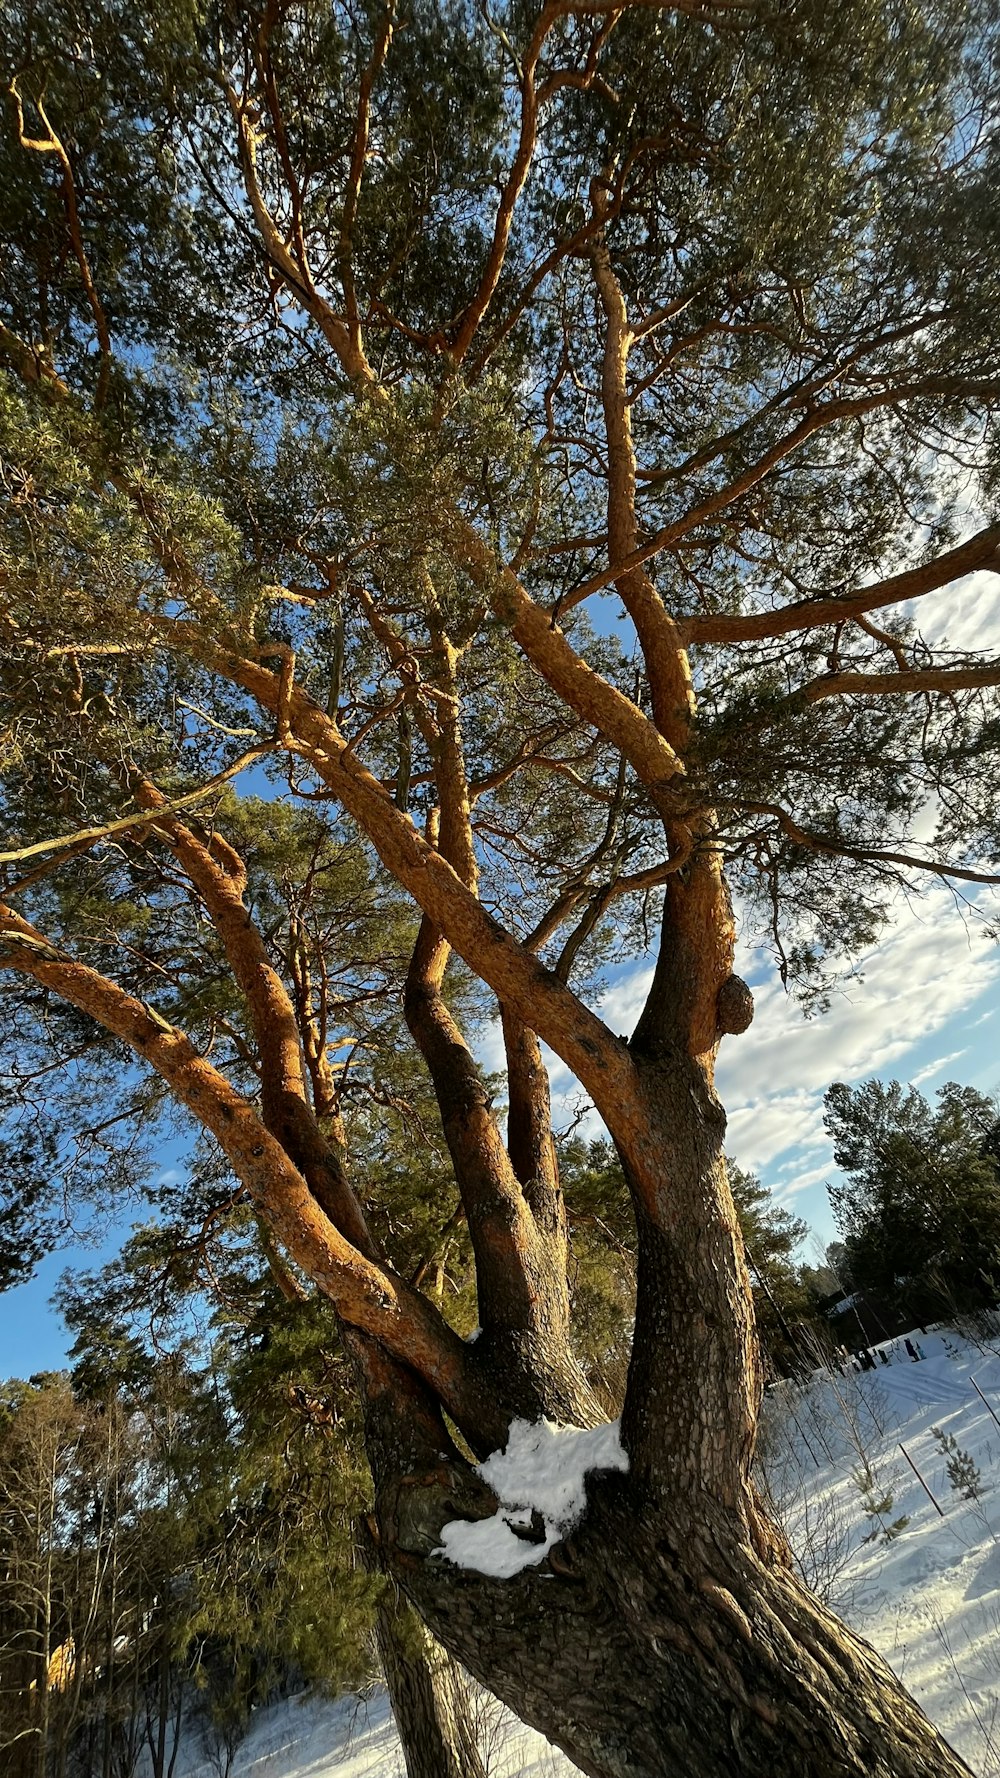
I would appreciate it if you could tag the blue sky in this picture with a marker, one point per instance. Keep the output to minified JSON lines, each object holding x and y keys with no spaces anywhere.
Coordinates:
{"x":926,"y":1010}
{"x":923,"y":1007}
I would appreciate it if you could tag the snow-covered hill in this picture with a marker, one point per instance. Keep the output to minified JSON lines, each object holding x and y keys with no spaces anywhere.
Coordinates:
{"x":920,"y":1580}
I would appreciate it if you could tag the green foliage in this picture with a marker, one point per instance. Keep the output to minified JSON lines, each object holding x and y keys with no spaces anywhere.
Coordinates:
{"x":206,"y":1500}
{"x":602,"y":1261}
{"x":920,"y":1210}
{"x":602,"y":1232}
{"x":964,"y":1477}
{"x":791,"y":1328}
{"x":878,"y":1503}
{"x":795,"y":187}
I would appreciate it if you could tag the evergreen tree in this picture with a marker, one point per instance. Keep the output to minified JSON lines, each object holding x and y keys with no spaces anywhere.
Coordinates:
{"x":920,"y":1209}
{"x":363,"y":365}
{"x":784,"y":1304}
{"x":275,"y":1579}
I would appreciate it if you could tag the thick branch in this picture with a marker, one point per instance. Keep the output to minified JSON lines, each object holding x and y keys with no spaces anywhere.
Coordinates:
{"x":877,"y":685}
{"x":587,"y":693}
{"x":530,"y":1141}
{"x":356,"y":175}
{"x":666,"y":663}
{"x":514,"y":1284}
{"x":513,"y":185}
{"x":287,"y":1111}
{"x":295,"y":271}
{"x":509,"y":1266}
{"x":364,"y":1294}
{"x":598,"y":1059}
{"x":979,"y":551}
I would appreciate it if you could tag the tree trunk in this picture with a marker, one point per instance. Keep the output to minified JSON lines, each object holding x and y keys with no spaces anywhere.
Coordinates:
{"x":666,"y":1636}
{"x":428,"y":1692}
{"x":671,"y":1649}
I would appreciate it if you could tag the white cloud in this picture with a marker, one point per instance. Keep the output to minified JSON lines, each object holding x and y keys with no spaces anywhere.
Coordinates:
{"x":927,"y":969}
{"x":928,"y":973}
{"x":936,"y":1067}
{"x":965,"y":615}
{"x":622,"y":1003}
{"x":771,"y":1123}
{"x":804,"y":1180}
{"x":930,"y":968}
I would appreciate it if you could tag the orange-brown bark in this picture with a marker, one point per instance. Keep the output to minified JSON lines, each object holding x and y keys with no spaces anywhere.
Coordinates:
{"x":529,"y":1121}
{"x":666,"y":663}
{"x":513,"y":1277}
{"x":979,"y":551}
{"x":365,"y":1294}
{"x":589,"y":695}
{"x":600,"y":1060}
{"x":285,"y":1099}
{"x":920,"y":681}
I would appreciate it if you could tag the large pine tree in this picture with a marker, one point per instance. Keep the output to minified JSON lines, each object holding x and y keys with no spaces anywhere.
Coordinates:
{"x":519,"y":433}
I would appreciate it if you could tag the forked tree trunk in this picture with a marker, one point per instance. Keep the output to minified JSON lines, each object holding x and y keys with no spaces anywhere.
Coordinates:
{"x":670,"y":1649}
{"x":667,"y":1636}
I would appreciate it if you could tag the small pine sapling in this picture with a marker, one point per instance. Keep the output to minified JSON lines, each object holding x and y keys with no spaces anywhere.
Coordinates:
{"x":878,"y":1503}
{"x":963,"y":1475}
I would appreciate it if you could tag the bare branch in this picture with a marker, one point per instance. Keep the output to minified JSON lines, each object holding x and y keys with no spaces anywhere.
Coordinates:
{"x":89,"y":836}
{"x":824,"y":415}
{"x":814,"y":842}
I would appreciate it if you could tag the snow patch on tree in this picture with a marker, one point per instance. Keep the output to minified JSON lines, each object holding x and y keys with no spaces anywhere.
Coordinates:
{"x":539,"y":1480}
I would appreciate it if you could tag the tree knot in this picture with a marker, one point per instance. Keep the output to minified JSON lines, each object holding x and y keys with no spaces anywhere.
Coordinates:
{"x":733,"y":1007}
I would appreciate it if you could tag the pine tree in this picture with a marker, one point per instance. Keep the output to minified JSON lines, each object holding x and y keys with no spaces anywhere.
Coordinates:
{"x":362,"y":367}
{"x":920,"y":1208}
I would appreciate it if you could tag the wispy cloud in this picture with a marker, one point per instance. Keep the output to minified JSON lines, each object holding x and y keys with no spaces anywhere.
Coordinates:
{"x":937,"y":1067}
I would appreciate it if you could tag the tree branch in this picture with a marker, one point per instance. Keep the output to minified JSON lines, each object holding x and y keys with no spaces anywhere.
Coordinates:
{"x":814,"y":842}
{"x":356,"y":175}
{"x":980,"y":551}
{"x":89,"y":836}
{"x":877,"y":685}
{"x":600,"y":1061}
{"x":285,"y":1104}
{"x":52,"y":144}
{"x":364,"y":1294}
{"x":667,"y":669}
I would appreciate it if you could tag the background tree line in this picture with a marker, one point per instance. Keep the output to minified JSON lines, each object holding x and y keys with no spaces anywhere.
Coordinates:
{"x":171,"y":1553}
{"x":918,"y":1212}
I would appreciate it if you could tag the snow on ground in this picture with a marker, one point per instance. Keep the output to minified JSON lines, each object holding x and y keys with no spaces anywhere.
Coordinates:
{"x":927,"y":1594}
{"x":356,"y":1738}
{"x":923,"y":1586}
